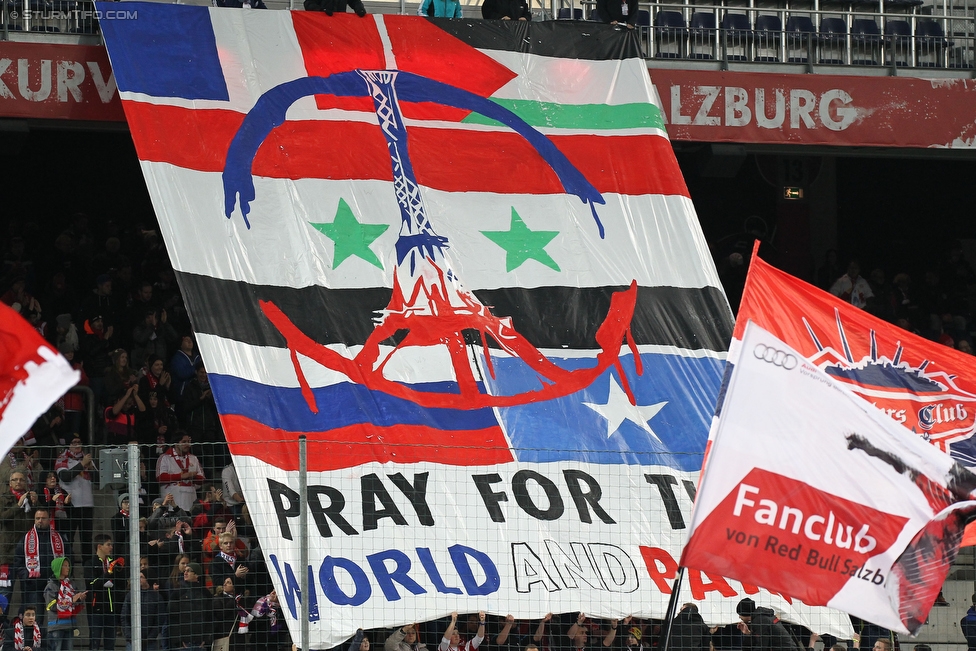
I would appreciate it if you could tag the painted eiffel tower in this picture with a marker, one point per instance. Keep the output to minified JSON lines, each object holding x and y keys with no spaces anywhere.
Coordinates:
{"x":423,"y":282}
{"x":428,"y":301}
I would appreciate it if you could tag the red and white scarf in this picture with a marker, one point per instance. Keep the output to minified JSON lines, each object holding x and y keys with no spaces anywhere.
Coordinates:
{"x":244,"y":616}
{"x":18,"y":495}
{"x":32,"y":550}
{"x":183,"y":461}
{"x":65,"y":600}
{"x":66,"y":457}
{"x":56,"y":497}
{"x":230,"y":558}
{"x":19,"y":636}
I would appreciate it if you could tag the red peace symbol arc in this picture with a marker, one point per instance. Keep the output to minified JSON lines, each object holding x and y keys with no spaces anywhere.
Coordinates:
{"x":445,"y":326}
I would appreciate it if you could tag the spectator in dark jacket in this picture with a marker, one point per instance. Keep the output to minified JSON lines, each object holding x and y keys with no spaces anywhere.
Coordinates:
{"x":183,"y":366}
{"x":120,"y":525}
{"x":166,"y":515}
{"x":688,"y":630}
{"x":230,"y":617}
{"x":617,"y":13}
{"x":191,"y":612}
{"x":968,"y":625}
{"x":227,"y":564}
{"x":152,"y":337}
{"x":332,"y":6}
{"x":105,"y":577}
{"x":761,"y":631}
{"x":505,"y":10}
{"x":153,"y":610}
{"x":95,"y":346}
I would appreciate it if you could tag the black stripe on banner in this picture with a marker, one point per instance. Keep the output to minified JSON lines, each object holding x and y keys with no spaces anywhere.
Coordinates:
{"x":565,"y":39}
{"x":549,"y":317}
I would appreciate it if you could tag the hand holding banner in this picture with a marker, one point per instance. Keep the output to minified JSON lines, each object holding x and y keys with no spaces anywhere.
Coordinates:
{"x":873,"y":536}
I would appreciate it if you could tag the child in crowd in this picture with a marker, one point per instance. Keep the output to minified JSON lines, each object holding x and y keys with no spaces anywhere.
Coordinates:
{"x":64,"y":605}
{"x":24,"y":634}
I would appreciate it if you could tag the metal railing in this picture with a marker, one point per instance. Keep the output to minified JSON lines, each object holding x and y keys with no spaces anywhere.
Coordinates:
{"x":810,"y":34}
{"x":903,"y":33}
{"x":48,"y":17}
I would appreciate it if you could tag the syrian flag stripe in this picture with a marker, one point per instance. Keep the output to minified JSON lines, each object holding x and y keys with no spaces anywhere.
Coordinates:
{"x":318,"y":149}
{"x":586,"y":118}
{"x":659,"y":250}
{"x":348,"y":447}
{"x":663,"y":316}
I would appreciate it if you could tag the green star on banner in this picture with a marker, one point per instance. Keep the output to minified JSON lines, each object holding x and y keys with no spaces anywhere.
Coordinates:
{"x":351,"y":237}
{"x":522,"y":244}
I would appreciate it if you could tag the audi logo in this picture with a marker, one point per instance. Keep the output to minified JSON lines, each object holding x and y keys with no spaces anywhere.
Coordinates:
{"x":775,"y":356}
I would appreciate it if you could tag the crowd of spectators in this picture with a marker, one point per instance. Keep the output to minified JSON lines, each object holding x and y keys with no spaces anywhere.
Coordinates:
{"x":939,"y":308}
{"x":110,"y":304}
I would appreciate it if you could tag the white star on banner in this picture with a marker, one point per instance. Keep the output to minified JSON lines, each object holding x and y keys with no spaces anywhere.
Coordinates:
{"x":618,"y":409}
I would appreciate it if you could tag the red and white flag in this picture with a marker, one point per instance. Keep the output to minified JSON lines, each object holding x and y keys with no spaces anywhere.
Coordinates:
{"x":928,"y":388}
{"x":32,"y":376}
{"x":810,"y":491}
{"x":925,"y":386}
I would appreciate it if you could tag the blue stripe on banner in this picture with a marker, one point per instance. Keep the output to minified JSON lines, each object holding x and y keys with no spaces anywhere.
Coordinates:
{"x":163,"y":50}
{"x":339,"y":405}
{"x":670,"y":434}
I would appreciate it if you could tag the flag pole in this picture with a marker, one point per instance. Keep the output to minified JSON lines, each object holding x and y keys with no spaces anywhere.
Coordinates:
{"x":672,"y":608}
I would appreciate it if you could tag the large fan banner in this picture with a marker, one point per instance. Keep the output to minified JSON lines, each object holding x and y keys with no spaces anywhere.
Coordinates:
{"x":874,"y":536}
{"x":33,"y":375}
{"x":459,"y":256}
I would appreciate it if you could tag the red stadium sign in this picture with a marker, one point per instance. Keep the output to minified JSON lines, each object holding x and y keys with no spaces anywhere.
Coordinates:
{"x":746,"y":107}
{"x":67,"y":82}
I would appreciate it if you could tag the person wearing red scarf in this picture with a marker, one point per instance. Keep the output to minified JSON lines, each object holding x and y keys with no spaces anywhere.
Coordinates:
{"x":55,"y":499}
{"x":38,"y":548}
{"x":17,"y":515}
{"x":78,"y":473}
{"x":25,"y":634}
{"x":157,"y":380}
{"x":179,"y":472}
{"x":66,"y":604}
